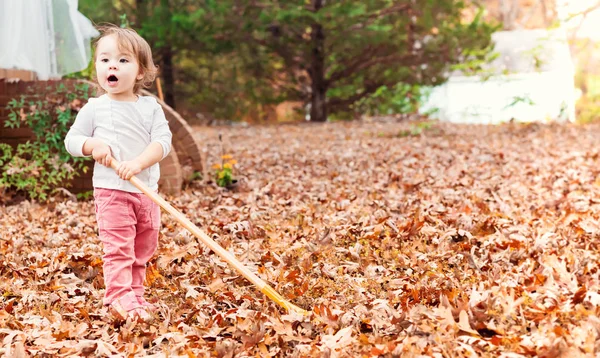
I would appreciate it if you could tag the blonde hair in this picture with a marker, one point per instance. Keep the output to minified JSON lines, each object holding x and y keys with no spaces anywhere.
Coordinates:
{"x":130,"y":40}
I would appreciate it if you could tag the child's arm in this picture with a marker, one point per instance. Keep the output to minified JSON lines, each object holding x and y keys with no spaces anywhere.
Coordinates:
{"x":99,"y":150}
{"x":79,"y":141}
{"x":81,"y":130}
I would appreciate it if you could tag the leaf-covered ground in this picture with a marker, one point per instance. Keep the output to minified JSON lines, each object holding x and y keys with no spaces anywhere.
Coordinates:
{"x":458,"y":241}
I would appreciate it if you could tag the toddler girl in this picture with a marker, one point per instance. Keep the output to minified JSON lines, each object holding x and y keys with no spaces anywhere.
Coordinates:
{"x":132,"y":129}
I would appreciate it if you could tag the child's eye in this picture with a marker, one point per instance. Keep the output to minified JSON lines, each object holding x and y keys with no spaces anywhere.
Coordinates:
{"x":104,"y":60}
{"x":123,"y":60}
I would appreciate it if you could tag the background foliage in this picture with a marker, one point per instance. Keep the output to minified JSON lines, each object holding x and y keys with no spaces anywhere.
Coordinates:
{"x":232,"y":59}
{"x":240,"y":59}
{"x":38,"y":168}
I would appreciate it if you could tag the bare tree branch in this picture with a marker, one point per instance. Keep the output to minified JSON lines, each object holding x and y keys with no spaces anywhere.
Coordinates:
{"x":586,"y":11}
{"x":583,"y":15}
{"x":360,"y":64}
{"x":545,"y":13}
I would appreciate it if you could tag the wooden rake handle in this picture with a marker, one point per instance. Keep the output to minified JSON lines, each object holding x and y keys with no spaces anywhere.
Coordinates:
{"x":218,"y":249}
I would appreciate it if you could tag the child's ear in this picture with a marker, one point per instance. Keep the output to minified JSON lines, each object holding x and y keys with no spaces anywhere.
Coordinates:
{"x":140,"y":76}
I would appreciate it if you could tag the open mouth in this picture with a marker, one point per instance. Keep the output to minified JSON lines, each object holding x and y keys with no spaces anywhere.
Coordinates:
{"x":112,"y":80}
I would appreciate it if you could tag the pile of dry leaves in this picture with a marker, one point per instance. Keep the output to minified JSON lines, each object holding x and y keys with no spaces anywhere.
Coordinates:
{"x":451,"y":241}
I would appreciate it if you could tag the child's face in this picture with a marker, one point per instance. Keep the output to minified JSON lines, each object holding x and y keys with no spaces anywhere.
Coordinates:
{"x":116,"y":69}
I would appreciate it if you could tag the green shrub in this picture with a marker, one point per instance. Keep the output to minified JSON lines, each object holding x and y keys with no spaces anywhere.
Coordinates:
{"x":399,"y":99}
{"x":41,"y":166}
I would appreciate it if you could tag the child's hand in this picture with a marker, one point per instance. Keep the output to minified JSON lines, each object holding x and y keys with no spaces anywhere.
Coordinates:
{"x":127,"y":169}
{"x":101,"y":153}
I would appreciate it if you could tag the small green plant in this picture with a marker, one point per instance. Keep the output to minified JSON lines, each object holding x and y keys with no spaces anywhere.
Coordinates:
{"x":416,"y":129}
{"x":224,"y":171}
{"x":196,"y":175}
{"x":86,"y":195}
{"x":477,"y":62}
{"x":538,"y":54}
{"x":41,"y":166}
{"x":520,"y":99}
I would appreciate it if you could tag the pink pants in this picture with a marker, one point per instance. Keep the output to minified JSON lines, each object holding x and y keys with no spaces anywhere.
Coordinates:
{"x":128,"y":224}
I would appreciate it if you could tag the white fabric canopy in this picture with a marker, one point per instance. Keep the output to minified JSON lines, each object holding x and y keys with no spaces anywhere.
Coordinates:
{"x":48,"y":37}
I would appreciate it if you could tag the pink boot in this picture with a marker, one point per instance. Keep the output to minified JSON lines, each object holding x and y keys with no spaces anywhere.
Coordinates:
{"x":147,"y":305}
{"x":127,"y":306}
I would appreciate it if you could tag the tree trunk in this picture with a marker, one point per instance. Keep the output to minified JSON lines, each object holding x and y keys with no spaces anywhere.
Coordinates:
{"x":166,"y":60}
{"x":318,"y":100}
{"x":509,"y":11}
{"x":166,"y":71}
{"x":142,"y":12}
{"x":545,"y":13}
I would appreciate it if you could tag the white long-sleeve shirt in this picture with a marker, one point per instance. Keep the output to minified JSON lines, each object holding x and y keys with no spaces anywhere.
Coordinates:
{"x":127,"y":128}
